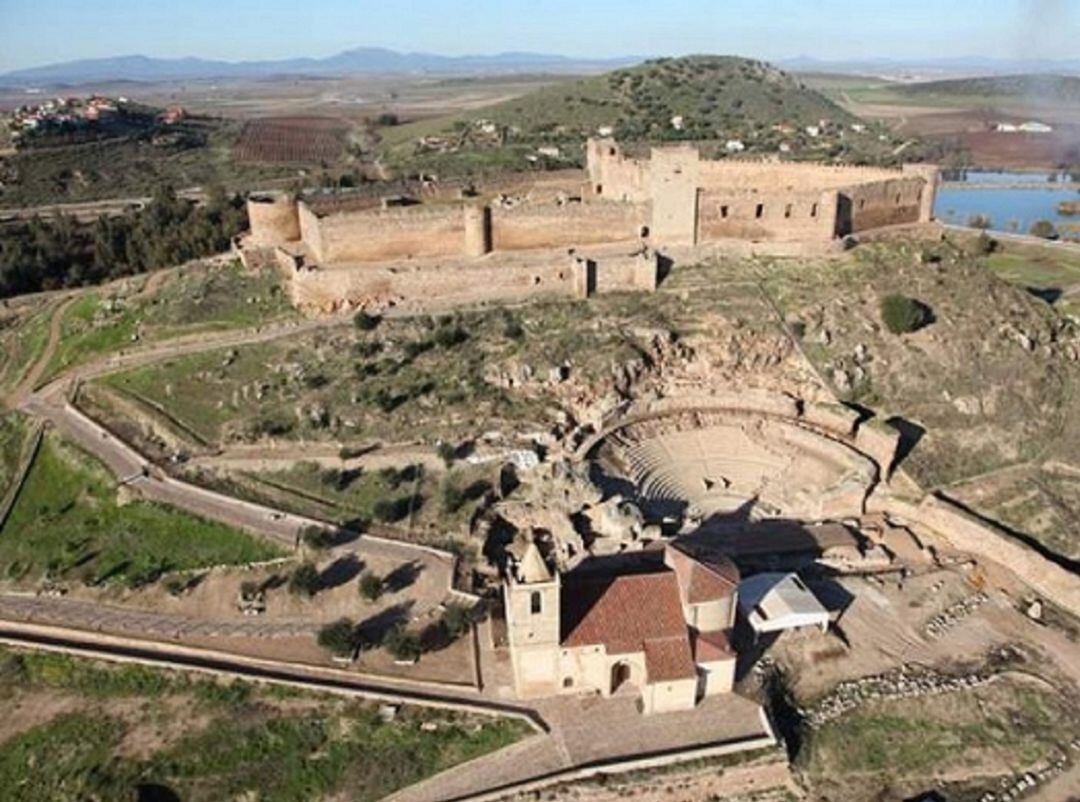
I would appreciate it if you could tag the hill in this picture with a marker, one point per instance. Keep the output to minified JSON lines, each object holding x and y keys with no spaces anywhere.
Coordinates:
{"x":713,"y":95}
{"x":697,"y":98}
{"x":1042,"y":88}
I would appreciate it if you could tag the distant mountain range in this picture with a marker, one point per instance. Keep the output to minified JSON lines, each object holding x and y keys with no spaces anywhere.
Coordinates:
{"x":372,"y":60}
{"x":960,"y":66}
{"x":356,"y":61}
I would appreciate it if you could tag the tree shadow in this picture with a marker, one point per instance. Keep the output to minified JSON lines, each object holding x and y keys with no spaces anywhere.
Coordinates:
{"x":403,"y":576}
{"x":155,"y":792}
{"x":342,"y":570}
{"x":373,"y":630}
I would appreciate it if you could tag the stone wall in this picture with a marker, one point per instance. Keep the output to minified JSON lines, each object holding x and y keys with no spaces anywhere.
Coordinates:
{"x":386,"y":234}
{"x":432,"y":284}
{"x":880,"y":203}
{"x":273,"y":218}
{"x":790,"y":216}
{"x":531,"y":226}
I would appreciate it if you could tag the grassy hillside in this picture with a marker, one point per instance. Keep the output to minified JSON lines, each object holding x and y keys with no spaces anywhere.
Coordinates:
{"x":718,"y":98}
{"x":1057,"y":88}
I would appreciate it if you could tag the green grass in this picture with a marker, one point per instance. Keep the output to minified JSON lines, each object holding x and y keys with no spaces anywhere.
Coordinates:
{"x":234,"y":740}
{"x":13,"y":441}
{"x":916,"y":738}
{"x":1045,"y":268}
{"x":89,"y":329}
{"x":197,"y":299}
{"x":23,"y":345}
{"x":67,"y":524}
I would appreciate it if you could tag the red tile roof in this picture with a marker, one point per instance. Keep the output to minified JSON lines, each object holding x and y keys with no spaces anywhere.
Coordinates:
{"x":668,"y":659}
{"x":705,"y":577}
{"x":711,"y":646}
{"x":629,"y":613}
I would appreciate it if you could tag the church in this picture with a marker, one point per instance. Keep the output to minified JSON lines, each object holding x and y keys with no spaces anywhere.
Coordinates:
{"x":659,"y":626}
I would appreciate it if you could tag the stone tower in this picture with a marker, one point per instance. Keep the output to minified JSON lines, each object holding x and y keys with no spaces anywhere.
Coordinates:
{"x":532,"y":624}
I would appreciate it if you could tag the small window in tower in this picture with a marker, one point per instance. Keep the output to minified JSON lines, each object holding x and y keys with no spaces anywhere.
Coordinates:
{"x":813,"y":210}
{"x":611,"y":152}
{"x":759,"y":211}
{"x":723,"y":212}
{"x":535,"y":602}
{"x":862,"y":203}
{"x":897,"y":198}
{"x":599,"y":189}
{"x":568,"y":682}
{"x":787,"y":210}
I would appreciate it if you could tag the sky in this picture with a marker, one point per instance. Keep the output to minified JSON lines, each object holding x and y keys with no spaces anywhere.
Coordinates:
{"x":35,"y":32}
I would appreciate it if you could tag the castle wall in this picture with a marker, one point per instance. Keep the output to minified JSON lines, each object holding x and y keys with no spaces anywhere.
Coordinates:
{"x":613,"y":175}
{"x":673,"y":186}
{"x":782,"y":215}
{"x":386,"y":234}
{"x":880,"y":203}
{"x":531,"y":226}
{"x":273,"y":219}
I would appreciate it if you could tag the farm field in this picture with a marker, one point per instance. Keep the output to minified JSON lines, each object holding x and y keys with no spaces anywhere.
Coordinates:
{"x":292,"y":140}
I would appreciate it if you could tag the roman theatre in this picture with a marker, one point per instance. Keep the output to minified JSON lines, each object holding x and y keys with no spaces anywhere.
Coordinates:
{"x":742,"y":456}
{"x":611,"y":227}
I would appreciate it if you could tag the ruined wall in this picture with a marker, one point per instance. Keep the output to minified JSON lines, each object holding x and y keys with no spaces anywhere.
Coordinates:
{"x":613,"y":175}
{"x":274,"y":219}
{"x":531,"y":226}
{"x":431,"y":284}
{"x":880,"y":203}
{"x":782,"y":215}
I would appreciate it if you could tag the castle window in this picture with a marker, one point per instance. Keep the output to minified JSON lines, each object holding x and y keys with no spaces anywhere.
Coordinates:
{"x":759,"y":211}
{"x":535,"y":602}
{"x":599,"y":189}
{"x":897,"y":198}
{"x":862,"y":203}
{"x":813,"y":210}
{"x":787,"y":210}
{"x":723,"y":212}
{"x":568,"y":682}
{"x":611,"y":152}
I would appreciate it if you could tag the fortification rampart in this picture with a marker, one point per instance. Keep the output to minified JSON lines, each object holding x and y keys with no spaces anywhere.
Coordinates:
{"x":434,"y":283}
{"x":332,"y":246}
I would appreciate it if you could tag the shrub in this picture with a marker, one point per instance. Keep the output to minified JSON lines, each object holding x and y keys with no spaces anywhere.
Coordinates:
{"x":391,"y":510}
{"x":449,"y":336}
{"x":317,"y":537}
{"x":1044,"y":229}
{"x":456,"y":620}
{"x":365,"y":322}
{"x":513,"y":330}
{"x":402,"y":644}
{"x":305,"y":580}
{"x":985,"y":245}
{"x":979,"y":221}
{"x":453,"y":497}
{"x":339,"y":637}
{"x":447,"y":453}
{"x":371,"y":586}
{"x":901,"y":314}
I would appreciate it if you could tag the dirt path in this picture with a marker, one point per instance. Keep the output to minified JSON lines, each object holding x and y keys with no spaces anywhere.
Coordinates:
{"x":56,"y":325}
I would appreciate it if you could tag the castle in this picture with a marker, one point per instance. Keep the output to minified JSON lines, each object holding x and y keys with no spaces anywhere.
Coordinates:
{"x":569,"y":232}
{"x":660,"y":627}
